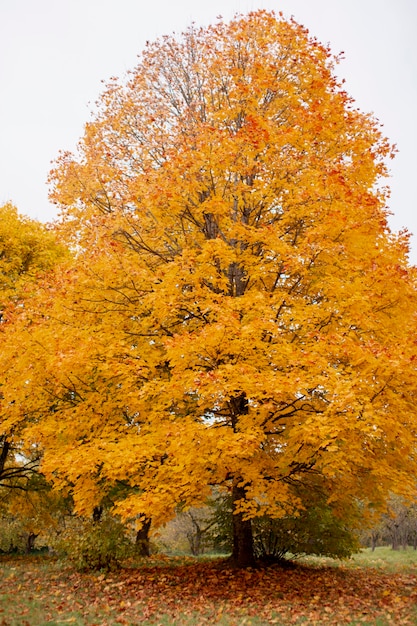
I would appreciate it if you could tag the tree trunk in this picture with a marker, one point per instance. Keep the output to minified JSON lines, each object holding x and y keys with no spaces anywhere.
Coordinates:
{"x":195,"y":539}
{"x":243,"y":554}
{"x":97,"y":513}
{"x":395,"y":542}
{"x":5,"y":449}
{"x":30,"y":542}
{"x":142,"y":538}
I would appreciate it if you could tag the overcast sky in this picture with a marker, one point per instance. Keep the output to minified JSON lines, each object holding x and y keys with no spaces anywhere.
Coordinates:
{"x":54,"y":55}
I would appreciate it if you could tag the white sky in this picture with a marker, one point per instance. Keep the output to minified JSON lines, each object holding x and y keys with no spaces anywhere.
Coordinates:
{"x":54,"y":55}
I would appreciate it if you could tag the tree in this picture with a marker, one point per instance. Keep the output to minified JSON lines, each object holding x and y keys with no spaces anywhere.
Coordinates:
{"x":28,"y":249}
{"x":29,"y":513}
{"x":399,"y":525}
{"x":193,"y":531}
{"x":240,"y":314}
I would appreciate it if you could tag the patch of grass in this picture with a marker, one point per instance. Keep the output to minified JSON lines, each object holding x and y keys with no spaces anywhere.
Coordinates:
{"x":382,"y":558}
{"x":386,"y":558}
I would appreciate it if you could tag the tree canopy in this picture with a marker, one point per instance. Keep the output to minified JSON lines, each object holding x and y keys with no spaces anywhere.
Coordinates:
{"x":239,"y":314}
{"x":28,"y":249}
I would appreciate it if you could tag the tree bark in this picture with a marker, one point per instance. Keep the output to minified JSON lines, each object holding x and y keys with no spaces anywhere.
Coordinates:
{"x":97,"y":513}
{"x":4,"y":453}
{"x":30,"y":542}
{"x":243,"y":553}
{"x":142,"y":538}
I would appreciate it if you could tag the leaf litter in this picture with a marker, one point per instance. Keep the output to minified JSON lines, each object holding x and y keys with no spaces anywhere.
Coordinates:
{"x":206,"y":592}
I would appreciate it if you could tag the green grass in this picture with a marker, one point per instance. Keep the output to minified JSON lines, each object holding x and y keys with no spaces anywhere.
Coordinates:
{"x":382,"y":558}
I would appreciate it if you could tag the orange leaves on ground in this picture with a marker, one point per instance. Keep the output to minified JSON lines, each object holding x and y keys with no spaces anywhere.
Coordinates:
{"x":205,"y":593}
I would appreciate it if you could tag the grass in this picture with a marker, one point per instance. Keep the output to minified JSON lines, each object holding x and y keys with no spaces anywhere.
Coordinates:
{"x":373,"y":588}
{"x":383,"y":558}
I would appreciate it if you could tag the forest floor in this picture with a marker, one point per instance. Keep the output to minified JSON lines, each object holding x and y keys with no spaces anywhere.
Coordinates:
{"x":375,"y":588}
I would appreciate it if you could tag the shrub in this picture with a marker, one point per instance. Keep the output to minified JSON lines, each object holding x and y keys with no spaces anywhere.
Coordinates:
{"x":101,"y":545}
{"x":315,"y":531}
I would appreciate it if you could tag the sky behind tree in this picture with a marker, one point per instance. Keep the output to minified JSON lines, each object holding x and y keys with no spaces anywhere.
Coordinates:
{"x":55,"y":56}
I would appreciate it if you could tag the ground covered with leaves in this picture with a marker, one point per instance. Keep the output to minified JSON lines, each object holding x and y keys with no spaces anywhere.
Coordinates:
{"x":171,"y":592}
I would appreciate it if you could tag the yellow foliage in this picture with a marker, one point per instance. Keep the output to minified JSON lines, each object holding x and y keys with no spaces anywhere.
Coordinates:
{"x":238,"y":309}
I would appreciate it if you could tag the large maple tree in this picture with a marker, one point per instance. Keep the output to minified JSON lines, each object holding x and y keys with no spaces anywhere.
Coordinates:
{"x":240,"y":314}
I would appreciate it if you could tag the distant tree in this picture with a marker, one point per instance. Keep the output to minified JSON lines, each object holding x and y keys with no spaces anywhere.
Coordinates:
{"x":200,"y":524}
{"x":29,"y":513}
{"x":191,"y":531}
{"x":28,"y":248}
{"x":400,"y":523}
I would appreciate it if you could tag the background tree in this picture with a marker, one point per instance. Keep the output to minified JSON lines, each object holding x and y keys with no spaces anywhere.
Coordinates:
{"x":28,"y":249}
{"x":240,"y":314}
{"x":193,"y":531}
{"x":399,"y":524}
{"x":31,"y":516}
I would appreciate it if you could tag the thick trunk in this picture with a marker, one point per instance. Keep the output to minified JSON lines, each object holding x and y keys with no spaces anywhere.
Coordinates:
{"x":97,"y":513}
{"x":142,"y":539}
{"x":243,"y":554}
{"x":30,"y":542}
